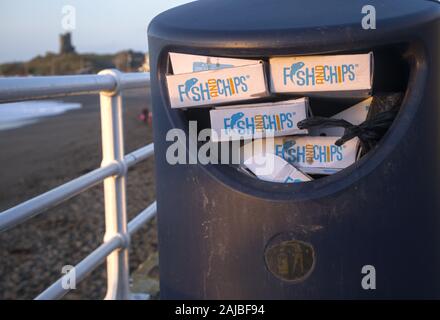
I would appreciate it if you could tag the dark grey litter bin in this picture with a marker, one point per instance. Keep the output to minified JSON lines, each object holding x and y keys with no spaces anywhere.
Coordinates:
{"x":226,"y":235}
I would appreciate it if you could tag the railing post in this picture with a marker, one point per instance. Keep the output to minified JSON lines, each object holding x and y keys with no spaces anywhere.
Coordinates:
{"x":114,"y":190}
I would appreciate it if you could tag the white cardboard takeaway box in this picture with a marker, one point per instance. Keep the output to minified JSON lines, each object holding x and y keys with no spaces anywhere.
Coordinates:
{"x":312,"y":155}
{"x":270,"y":167}
{"x":326,"y":75}
{"x":187,"y":63}
{"x":250,"y":121}
{"x":355,"y":115}
{"x":208,"y":88}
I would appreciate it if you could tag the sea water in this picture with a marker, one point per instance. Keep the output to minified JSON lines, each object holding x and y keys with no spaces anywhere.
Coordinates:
{"x":18,"y":114}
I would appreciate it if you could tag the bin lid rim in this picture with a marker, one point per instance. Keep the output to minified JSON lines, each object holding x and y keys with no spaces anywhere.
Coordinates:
{"x":232,"y":19}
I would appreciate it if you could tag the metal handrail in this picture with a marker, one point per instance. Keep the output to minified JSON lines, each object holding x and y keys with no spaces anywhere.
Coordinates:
{"x":26,"y":88}
{"x":30,"y":208}
{"x":93,"y":260}
{"x":113,"y":172}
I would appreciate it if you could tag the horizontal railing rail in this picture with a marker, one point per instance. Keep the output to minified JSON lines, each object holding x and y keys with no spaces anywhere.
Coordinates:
{"x":30,"y":208}
{"x":27,"y":88}
{"x":113,"y":171}
{"x":93,"y":260}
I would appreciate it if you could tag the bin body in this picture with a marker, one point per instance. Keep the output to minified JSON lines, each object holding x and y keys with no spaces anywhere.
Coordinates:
{"x":215,"y":225}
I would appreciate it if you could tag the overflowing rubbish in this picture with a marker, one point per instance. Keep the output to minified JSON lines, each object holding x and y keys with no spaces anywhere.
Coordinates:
{"x":304,"y":144}
{"x":270,"y":167}
{"x":382,"y":112}
{"x":336,"y":75}
{"x":187,"y":63}
{"x":312,"y":155}
{"x":251,"y":121}
{"x":355,"y":115}
{"x":219,"y":86}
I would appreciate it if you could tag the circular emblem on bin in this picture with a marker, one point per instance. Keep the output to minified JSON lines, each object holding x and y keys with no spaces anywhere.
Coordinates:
{"x":290,"y":260}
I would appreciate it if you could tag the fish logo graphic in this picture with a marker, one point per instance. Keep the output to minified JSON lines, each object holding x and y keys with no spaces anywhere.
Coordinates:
{"x":236,"y":117}
{"x":189,"y":84}
{"x":294,"y":68}
{"x":291,"y":180}
{"x":288,"y":145}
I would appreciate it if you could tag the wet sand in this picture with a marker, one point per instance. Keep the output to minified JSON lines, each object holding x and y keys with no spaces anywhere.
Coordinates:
{"x":41,"y":156}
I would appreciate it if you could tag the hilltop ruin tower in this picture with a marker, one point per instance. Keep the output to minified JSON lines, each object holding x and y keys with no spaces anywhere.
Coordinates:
{"x":66,"y":43}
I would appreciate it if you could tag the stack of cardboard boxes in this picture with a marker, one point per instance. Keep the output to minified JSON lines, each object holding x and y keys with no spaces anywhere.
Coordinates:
{"x":227,"y":87}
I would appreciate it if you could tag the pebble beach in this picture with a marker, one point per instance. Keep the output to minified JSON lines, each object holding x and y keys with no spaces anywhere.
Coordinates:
{"x":40,"y":156}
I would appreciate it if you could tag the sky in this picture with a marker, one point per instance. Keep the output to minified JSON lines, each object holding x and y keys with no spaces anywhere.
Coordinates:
{"x":31,"y":27}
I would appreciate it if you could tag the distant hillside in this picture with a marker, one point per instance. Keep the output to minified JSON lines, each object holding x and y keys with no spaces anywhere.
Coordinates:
{"x":73,"y":63}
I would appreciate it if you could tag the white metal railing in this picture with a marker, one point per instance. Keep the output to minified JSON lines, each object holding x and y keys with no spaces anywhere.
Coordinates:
{"x":113,"y":171}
